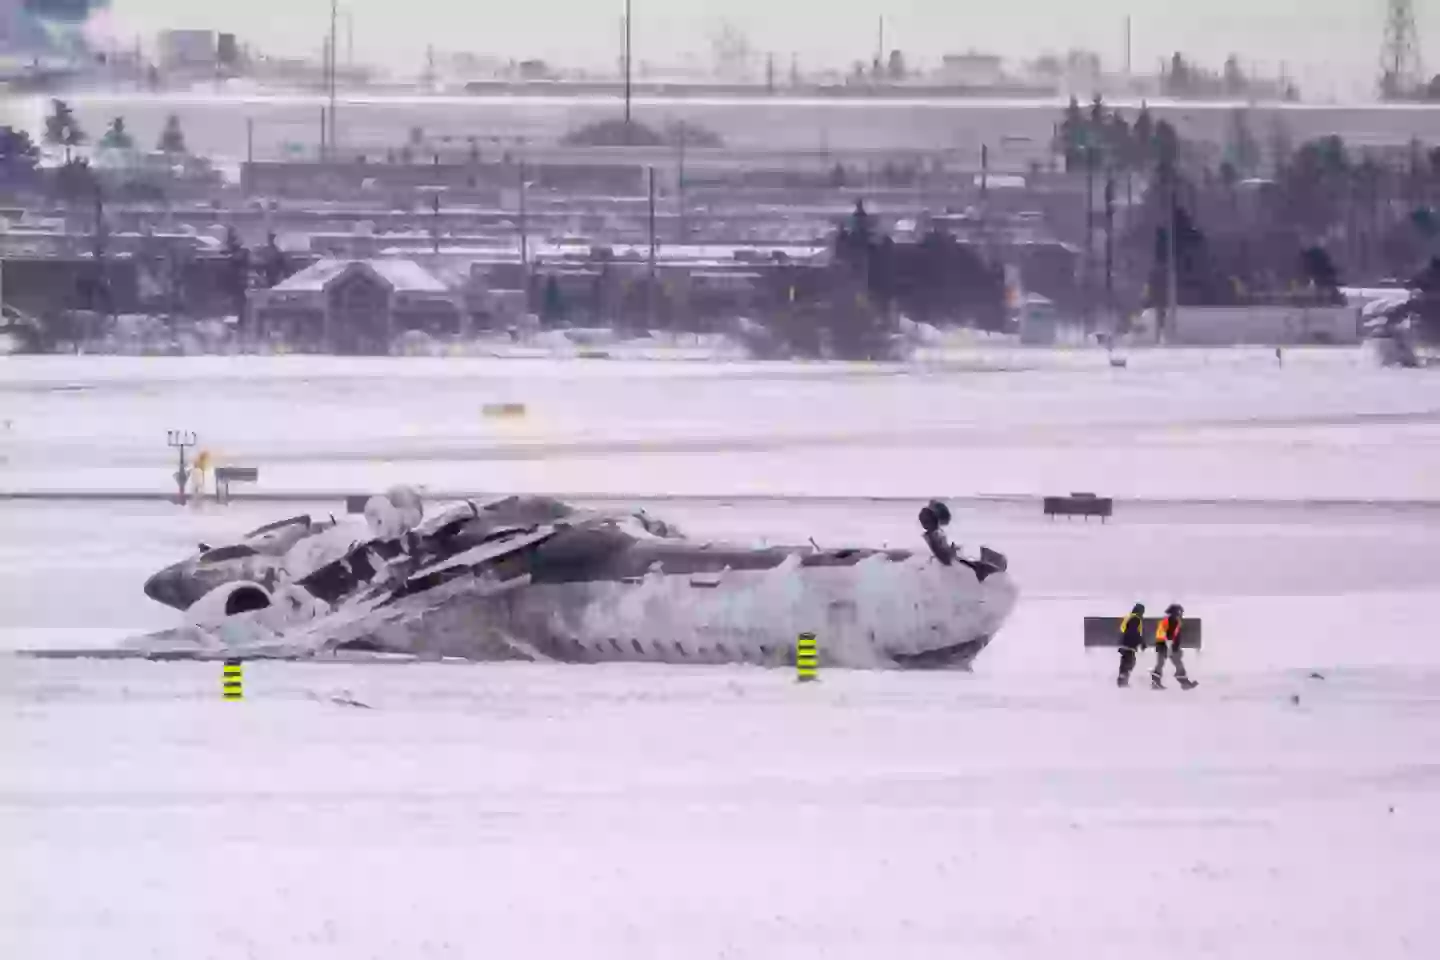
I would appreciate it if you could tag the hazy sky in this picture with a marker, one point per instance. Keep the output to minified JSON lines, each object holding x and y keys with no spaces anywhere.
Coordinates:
{"x":1331,"y":46}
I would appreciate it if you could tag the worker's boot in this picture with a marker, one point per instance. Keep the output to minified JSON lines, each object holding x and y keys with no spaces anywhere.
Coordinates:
{"x":1155,"y":682}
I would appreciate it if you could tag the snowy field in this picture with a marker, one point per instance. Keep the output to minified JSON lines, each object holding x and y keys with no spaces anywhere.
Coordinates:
{"x":1285,"y":808}
{"x":1174,"y":424}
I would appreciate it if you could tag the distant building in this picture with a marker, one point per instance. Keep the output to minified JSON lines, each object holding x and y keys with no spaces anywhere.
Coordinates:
{"x":227,"y":51}
{"x":188,"y":49}
{"x":356,"y":306}
{"x":12,"y":31}
{"x":971,"y":70}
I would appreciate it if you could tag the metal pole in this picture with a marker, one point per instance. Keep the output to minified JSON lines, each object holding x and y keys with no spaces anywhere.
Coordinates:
{"x":1089,"y":237}
{"x":180,"y":440}
{"x":627,"y":70}
{"x":1110,"y":247}
{"x":1129,"y":46}
{"x":334,"y":49}
{"x":1172,"y":279}
{"x":650,"y":287}
{"x":102,"y":282}
{"x":680,"y":184}
{"x":435,"y":222}
{"x":524,"y":230}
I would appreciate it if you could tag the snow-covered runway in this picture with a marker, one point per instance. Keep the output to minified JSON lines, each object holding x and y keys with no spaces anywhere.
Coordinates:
{"x":1284,"y":808}
{"x":640,"y":812}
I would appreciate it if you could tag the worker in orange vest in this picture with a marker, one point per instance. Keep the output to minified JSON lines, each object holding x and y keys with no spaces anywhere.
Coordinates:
{"x":1167,"y":646}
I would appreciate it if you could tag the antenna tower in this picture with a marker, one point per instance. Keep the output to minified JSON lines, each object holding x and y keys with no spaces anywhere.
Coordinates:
{"x":1399,"y":51}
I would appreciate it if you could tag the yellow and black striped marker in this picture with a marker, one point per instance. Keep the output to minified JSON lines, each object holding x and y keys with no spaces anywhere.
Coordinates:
{"x":807,"y":659}
{"x":234,"y":680}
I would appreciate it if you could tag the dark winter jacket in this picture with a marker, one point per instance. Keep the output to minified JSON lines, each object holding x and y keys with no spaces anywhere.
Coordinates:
{"x":1132,"y":631}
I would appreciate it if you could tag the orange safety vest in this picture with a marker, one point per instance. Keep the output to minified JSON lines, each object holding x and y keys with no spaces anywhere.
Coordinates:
{"x":1162,"y":630}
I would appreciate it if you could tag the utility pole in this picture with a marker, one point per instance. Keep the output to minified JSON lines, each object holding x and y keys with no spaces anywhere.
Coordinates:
{"x":680,"y":182}
{"x":1089,"y":260}
{"x":627,"y":70}
{"x":101,"y":292}
{"x":435,"y":222}
{"x":247,"y":177}
{"x":880,"y":49}
{"x":1172,"y":273}
{"x":524,"y":231}
{"x":334,"y":48}
{"x":1110,"y":247}
{"x":1129,"y":47}
{"x":650,"y":287}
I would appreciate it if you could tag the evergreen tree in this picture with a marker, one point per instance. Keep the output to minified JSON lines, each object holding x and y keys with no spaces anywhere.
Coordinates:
{"x":1234,"y":77}
{"x":1317,"y":267}
{"x":61,"y":127}
{"x":1072,"y":135}
{"x":74,"y":180}
{"x":237,"y":274}
{"x":117,"y":137}
{"x":273,"y":267}
{"x":1242,"y":149}
{"x":1119,"y":150}
{"x":897,"y":68}
{"x":18,"y":156}
{"x":1142,"y":136}
{"x":172,"y":138}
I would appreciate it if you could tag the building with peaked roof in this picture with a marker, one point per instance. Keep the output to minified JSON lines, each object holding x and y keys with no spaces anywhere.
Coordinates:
{"x":356,"y":306}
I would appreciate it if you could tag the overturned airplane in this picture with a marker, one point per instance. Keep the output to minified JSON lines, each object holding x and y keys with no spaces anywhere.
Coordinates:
{"x":533,"y":578}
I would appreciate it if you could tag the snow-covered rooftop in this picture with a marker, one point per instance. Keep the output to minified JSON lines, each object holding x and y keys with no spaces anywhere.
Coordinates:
{"x":405,"y":275}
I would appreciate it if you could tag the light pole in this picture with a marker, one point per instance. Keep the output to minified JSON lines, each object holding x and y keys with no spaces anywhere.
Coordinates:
{"x":680,"y":130}
{"x":334,"y":49}
{"x":435,"y":221}
{"x":627,"y":71}
{"x":650,"y":287}
{"x":1172,"y":271}
{"x":180,"y":441}
{"x":524,"y":226}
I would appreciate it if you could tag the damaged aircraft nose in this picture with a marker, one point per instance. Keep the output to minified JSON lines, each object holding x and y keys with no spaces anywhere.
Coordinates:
{"x":171,"y":587}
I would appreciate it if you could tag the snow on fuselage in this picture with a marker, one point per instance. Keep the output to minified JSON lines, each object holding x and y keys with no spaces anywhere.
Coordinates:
{"x":880,"y":611}
{"x":480,"y":585}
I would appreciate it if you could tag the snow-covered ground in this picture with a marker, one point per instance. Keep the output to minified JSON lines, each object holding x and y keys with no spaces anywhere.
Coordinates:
{"x":1284,"y":808}
{"x":1190,"y":424}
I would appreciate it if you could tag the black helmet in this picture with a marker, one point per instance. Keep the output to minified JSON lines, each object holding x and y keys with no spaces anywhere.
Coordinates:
{"x":1138,"y":610}
{"x":1176,"y":610}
